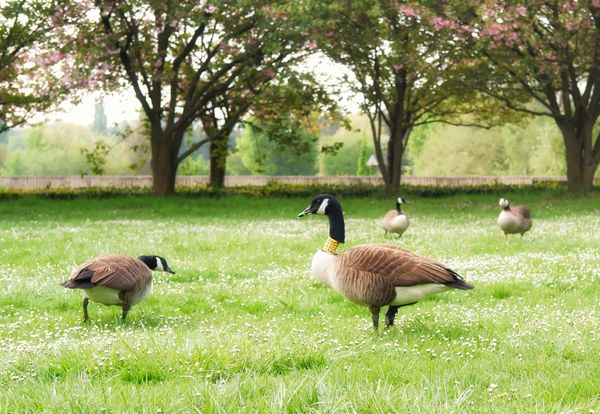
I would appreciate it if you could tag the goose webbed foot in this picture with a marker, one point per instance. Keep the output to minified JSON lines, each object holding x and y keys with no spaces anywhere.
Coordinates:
{"x":86,"y":300}
{"x":375,"y":312}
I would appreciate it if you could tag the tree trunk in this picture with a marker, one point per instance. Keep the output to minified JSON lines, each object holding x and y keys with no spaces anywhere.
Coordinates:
{"x":163,"y":164}
{"x":218,"y":161}
{"x":395,"y":150}
{"x":581,"y":167}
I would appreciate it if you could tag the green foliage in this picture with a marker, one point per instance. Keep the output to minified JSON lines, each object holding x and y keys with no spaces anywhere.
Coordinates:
{"x":363,"y":156}
{"x":193,"y":166}
{"x":280,"y":149}
{"x":535,"y":149}
{"x":340,"y":152}
{"x":65,"y":149}
{"x":96,"y":158}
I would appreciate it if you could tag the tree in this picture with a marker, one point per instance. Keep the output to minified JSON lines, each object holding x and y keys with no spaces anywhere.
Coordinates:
{"x":402,"y":67}
{"x":265,"y":150}
{"x":547,"y":51}
{"x":186,"y":61}
{"x":27,"y":29}
{"x":362,"y":168}
{"x":284,"y":107}
{"x":99,"y":124}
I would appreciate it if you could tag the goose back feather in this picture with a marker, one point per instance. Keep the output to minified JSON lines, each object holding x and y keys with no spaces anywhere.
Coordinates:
{"x":370,"y":273}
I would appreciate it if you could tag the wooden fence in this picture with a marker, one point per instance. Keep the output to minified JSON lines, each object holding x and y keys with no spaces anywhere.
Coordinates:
{"x":75,"y":181}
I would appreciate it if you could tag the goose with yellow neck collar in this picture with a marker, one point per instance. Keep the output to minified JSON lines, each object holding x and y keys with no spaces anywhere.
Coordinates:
{"x":375,"y":275}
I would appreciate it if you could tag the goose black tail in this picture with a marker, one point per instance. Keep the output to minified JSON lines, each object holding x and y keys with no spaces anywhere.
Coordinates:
{"x":77,"y":284}
{"x":458,"y":282}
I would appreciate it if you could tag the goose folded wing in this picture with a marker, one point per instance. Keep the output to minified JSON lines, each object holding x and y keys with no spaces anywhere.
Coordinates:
{"x":120,"y":272}
{"x":400,"y":266}
{"x":522,"y":211}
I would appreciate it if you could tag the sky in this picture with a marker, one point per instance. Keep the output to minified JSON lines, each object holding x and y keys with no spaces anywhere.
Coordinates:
{"x":124,"y":106}
{"x":117,"y":107}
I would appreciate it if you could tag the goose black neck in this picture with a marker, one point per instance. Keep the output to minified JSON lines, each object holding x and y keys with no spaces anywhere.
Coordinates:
{"x":398,"y":207}
{"x":336,"y":223}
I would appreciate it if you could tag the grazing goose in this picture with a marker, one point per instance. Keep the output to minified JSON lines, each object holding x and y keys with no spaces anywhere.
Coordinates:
{"x":375,"y":275}
{"x":116,"y":280}
{"x":395,"y":221}
{"x":513,"y":220}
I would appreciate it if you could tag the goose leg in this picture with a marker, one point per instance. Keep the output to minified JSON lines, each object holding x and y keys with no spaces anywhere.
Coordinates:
{"x":375,"y":311}
{"x":86,"y":300}
{"x":390,"y":315}
{"x":126,"y":307}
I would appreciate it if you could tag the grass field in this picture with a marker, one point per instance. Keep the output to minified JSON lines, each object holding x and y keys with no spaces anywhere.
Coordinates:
{"x":242,"y":326}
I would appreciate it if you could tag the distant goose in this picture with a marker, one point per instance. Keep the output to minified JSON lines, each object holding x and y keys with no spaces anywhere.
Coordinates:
{"x":395,"y":221}
{"x":116,"y":280}
{"x":375,"y":275}
{"x":513,"y":220}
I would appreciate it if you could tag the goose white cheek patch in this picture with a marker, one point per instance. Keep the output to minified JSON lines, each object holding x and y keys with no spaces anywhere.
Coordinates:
{"x":159,"y":265}
{"x":323,"y":206}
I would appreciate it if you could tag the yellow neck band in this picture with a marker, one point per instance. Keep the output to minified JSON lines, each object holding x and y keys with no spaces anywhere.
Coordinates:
{"x":331,"y":245}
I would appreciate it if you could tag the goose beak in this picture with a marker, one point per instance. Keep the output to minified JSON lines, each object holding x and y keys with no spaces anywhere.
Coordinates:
{"x":169,"y":270}
{"x":305,"y":212}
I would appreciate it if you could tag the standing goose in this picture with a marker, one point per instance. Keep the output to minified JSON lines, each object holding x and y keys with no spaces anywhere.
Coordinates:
{"x":375,"y":275}
{"x":116,"y":280}
{"x":395,"y":221}
{"x":515,"y":219}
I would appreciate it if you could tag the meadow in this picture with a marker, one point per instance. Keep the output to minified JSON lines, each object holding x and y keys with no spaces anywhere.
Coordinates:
{"x":243,"y":328}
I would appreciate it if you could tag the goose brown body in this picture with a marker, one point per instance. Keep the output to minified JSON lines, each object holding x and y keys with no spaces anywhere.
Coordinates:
{"x":376,"y":275}
{"x":395,"y":222}
{"x":114,"y":280}
{"x":371,"y":273}
{"x":514,"y":219}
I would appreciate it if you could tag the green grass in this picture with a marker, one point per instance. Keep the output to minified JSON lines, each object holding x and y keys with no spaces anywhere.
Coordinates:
{"x":243,"y":327}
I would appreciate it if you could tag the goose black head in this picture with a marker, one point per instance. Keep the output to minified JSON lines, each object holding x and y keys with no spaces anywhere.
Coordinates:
{"x":321,"y":204}
{"x":156,"y":263}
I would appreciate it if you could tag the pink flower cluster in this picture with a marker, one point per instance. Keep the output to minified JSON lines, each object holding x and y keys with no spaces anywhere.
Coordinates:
{"x":408,"y":11}
{"x":440,"y":23}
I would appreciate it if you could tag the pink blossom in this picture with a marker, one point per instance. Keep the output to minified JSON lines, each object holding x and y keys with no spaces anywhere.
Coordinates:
{"x":210,"y":9}
{"x":521,"y":10}
{"x":398,"y":66}
{"x":408,"y":11}
{"x":440,"y":23}
{"x":310,"y":44}
{"x":568,"y":7}
{"x":596,"y":4}
{"x":158,"y":63}
{"x":173,"y":24}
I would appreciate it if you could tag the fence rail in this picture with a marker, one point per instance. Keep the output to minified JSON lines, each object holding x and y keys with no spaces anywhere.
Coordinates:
{"x":75,"y":181}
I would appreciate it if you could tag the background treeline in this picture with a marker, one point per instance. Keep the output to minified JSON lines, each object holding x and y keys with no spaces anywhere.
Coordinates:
{"x":533,"y":147}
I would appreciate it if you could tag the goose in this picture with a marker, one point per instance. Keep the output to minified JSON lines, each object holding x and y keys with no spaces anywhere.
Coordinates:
{"x":375,"y":275}
{"x":116,"y":279}
{"x":515,"y":219}
{"x":395,"y":221}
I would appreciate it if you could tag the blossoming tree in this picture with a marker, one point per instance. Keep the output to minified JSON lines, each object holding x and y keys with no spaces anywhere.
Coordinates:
{"x":26,"y":53}
{"x":403,"y":68}
{"x":187,"y":61}
{"x":547,"y":51}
